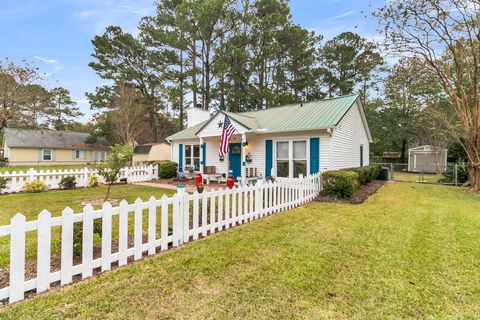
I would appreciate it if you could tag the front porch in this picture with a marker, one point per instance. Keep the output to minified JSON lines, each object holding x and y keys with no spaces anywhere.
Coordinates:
{"x":202,"y":157}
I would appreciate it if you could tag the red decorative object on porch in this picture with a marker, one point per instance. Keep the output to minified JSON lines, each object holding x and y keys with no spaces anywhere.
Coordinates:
{"x":230,"y":182}
{"x":198,"y":179}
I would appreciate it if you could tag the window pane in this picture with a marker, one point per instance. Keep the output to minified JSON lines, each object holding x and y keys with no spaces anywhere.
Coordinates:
{"x":196,"y":150}
{"x":299,"y":150}
{"x":282,"y":150}
{"x":196,"y":164}
{"x":188,"y":161}
{"x":188,"y":151}
{"x":282,"y":169}
{"x":47,"y":154}
{"x":299,"y":167}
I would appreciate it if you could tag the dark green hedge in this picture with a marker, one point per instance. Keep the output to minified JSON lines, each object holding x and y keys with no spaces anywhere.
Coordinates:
{"x":167,"y":169}
{"x":341,"y":184}
{"x":366,"y":174}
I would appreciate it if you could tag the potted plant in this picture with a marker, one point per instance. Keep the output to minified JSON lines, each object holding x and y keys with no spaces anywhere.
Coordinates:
{"x":200,"y":187}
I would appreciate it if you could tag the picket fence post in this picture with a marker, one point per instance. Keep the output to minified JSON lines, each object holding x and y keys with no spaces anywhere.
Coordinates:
{"x":137,"y":229}
{"x":212,"y":211}
{"x":106,"y":236}
{"x":195,"y":215}
{"x":87,"y":241}
{"x":17,"y":258}
{"x":164,"y":223}
{"x":204,"y":213}
{"x":43,"y":251}
{"x":67,"y":246}
{"x":122,"y":233}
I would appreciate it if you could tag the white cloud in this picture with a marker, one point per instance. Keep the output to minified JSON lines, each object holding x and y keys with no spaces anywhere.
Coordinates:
{"x":346,"y":14}
{"x":46,"y":60}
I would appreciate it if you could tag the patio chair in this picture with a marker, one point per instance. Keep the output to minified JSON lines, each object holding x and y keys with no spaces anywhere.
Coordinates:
{"x":210,"y":173}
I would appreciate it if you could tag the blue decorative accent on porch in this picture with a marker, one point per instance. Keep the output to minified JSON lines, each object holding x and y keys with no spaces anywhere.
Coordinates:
{"x":314,"y":155}
{"x":180,"y":157}
{"x":268,"y":157}
{"x":204,"y":154}
{"x":235,"y":160}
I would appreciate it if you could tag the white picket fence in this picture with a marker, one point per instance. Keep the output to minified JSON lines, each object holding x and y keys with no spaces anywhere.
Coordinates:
{"x":16,"y":180}
{"x":193,"y":216}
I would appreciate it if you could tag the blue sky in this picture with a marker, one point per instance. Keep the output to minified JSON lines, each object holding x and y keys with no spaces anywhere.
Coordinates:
{"x":55,"y":35}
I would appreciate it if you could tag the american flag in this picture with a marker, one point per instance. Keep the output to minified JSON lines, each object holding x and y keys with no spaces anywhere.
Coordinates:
{"x":227,"y":133}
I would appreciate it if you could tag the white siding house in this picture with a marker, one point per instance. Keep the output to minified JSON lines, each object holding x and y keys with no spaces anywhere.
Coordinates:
{"x":283,"y":141}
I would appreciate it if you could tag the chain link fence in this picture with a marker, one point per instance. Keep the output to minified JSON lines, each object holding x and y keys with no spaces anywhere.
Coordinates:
{"x":450,"y":174}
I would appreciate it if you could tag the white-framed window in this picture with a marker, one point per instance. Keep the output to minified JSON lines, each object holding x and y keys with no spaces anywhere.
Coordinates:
{"x":99,"y":156}
{"x":47,"y":155}
{"x":192,"y":156}
{"x":79,"y":154}
{"x":291,"y":158}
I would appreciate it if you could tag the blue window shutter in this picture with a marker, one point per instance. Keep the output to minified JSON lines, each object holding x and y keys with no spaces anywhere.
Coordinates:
{"x":40,"y":154}
{"x":314,"y":155}
{"x":53,"y":154}
{"x":204,"y":153}
{"x":268,"y":157}
{"x":73,"y":154}
{"x":180,"y":157}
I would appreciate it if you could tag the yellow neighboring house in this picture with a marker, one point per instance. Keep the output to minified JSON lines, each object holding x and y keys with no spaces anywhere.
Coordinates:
{"x":25,"y":147}
{"x":147,"y":153}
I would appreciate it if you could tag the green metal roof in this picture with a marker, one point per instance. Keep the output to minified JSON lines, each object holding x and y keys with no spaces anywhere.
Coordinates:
{"x":319,"y":114}
{"x":187,"y":133}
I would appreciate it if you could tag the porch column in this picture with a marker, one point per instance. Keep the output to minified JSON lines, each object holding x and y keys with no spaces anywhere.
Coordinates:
{"x":244,"y":158}
{"x":202,"y":160}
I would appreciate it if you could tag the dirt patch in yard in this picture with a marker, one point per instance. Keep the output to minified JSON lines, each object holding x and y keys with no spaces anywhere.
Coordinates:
{"x":99,"y":202}
{"x":358,"y":197}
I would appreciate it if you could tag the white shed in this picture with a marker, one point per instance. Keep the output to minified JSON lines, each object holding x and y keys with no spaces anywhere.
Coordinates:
{"x":427,"y":159}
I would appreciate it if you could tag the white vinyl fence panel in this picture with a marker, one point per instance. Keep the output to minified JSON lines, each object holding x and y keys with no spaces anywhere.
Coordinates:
{"x":192,"y":216}
{"x":17,"y":180}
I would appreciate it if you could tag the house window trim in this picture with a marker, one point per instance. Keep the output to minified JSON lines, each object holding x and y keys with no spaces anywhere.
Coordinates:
{"x":100,"y":153}
{"x":290,"y":155}
{"x":80,"y":154}
{"x":43,"y":154}
{"x":191,"y":157}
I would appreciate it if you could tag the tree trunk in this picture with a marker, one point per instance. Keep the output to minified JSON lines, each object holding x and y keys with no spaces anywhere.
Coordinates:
{"x":181,"y":91}
{"x":474,"y":176}
{"x":194,"y":75}
{"x":403,"y":150}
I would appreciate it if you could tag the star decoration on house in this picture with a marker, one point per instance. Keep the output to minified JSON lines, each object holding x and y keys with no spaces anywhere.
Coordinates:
{"x":220,"y":124}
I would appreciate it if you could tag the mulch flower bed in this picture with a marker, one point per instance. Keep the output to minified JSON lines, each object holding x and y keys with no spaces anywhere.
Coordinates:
{"x":358,"y":197}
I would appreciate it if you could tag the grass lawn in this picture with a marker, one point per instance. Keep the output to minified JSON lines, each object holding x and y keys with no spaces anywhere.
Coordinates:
{"x":414,"y":177}
{"x":31,"y":204}
{"x":44,"y":168}
{"x":410,"y":251}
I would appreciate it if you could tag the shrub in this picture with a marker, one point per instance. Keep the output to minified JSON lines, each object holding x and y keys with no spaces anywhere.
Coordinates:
{"x":167,"y":169}
{"x":35,"y":186}
{"x":366,"y":174}
{"x":340,"y":184}
{"x":68,"y":182}
{"x":3,"y":183}
{"x":462,"y":174}
{"x":93,"y":180}
{"x":78,"y":236}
